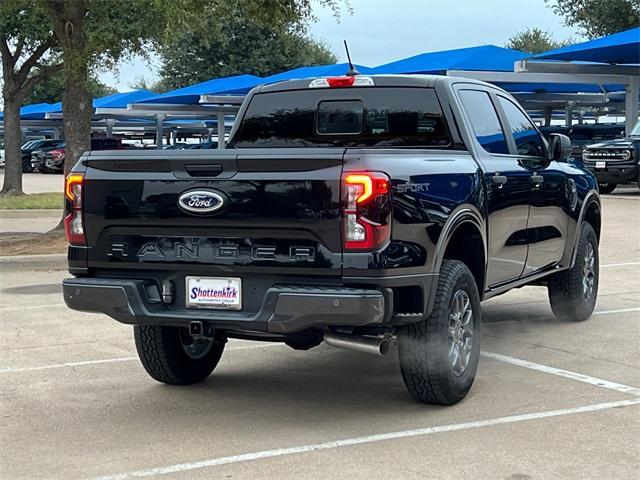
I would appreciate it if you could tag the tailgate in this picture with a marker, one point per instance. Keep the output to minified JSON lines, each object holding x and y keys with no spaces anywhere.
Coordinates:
{"x":279,"y":213}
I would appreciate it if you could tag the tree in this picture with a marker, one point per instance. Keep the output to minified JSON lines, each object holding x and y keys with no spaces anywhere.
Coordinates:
{"x":28,"y":51}
{"x":239,"y":45}
{"x":51,"y":89}
{"x":597,"y":18}
{"x":534,"y":40}
{"x":141,"y":83}
{"x":102,"y":32}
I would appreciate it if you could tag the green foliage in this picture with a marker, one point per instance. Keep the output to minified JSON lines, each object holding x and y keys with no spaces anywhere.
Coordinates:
{"x":26,"y":20}
{"x":240,"y":44}
{"x":597,"y":18}
{"x":534,"y":40}
{"x":142,"y":83}
{"x":51,"y":89}
{"x":33,"y":201}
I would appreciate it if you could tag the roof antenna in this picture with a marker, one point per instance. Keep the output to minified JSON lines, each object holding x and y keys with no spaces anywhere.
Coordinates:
{"x":352,"y":70}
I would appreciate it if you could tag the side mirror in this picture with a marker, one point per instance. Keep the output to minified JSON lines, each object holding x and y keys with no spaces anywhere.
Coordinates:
{"x":559,"y":147}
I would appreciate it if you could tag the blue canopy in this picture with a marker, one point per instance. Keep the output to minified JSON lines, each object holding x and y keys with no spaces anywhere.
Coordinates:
{"x":121,"y":100}
{"x":36,"y":111}
{"x":559,"y":88}
{"x":191,"y":95}
{"x":315,"y":71}
{"x":619,"y":48}
{"x":485,"y":57}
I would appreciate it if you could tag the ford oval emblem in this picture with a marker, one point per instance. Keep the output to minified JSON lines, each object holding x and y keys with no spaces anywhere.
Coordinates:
{"x":201,"y":201}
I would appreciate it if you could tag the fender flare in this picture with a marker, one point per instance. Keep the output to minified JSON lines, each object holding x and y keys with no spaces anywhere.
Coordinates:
{"x":460,"y":215}
{"x":591,"y":197}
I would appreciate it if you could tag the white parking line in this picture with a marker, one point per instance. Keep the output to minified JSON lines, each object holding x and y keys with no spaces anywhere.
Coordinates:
{"x":550,"y":317}
{"x":622,"y":310}
{"x":627,"y":264}
{"x":598,"y":382}
{"x":115,"y":360}
{"x":347,"y":442}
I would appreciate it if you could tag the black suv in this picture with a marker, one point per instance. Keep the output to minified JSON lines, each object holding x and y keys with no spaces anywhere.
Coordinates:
{"x":615,"y":161}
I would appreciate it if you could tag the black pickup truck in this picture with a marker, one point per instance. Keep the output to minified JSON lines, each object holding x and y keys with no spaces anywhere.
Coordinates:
{"x":359,"y":211}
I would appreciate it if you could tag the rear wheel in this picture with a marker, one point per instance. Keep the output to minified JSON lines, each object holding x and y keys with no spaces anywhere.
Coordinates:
{"x":26,"y":166}
{"x":170,"y":355}
{"x":573,"y":293}
{"x":607,"y":187}
{"x":439,"y":356}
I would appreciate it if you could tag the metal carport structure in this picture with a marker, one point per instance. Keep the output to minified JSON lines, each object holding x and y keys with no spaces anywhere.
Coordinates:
{"x":607,"y":61}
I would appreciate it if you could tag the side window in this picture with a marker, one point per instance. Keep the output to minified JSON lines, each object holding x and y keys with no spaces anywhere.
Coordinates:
{"x":527,"y":138}
{"x":484,"y":121}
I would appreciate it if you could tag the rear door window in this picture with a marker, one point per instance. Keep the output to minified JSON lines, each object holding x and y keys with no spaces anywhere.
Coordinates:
{"x":345,"y":117}
{"x":484,"y":121}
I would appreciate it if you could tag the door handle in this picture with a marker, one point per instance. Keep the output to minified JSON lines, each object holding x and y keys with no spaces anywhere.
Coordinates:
{"x":499,"y":180}
{"x":536,"y":179}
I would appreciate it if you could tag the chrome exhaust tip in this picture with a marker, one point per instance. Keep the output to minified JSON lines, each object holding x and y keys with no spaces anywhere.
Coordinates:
{"x":380,"y":346}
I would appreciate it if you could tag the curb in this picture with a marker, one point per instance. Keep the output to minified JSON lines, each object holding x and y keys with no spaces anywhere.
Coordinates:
{"x":32,"y":213}
{"x":54,"y":261}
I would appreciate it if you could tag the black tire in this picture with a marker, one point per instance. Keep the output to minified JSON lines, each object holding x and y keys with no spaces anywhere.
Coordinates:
{"x":606,"y":188}
{"x":425,"y":347}
{"x":27,"y":167}
{"x":570,"y":299}
{"x":165,"y":359}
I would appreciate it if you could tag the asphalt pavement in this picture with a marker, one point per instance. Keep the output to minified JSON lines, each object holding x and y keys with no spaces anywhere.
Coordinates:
{"x":552,"y":400}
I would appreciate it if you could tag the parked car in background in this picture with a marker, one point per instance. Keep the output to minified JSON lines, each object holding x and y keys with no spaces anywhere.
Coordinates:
{"x":586,"y":134}
{"x":583,"y":135}
{"x":52,"y":160}
{"x":28,"y":148}
{"x":615,"y":161}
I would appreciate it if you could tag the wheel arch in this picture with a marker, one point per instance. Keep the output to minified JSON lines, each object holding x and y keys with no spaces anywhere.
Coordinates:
{"x":464,"y":238}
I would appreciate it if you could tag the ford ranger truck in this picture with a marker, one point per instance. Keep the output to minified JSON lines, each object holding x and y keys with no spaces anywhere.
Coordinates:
{"x":361,"y":211}
{"x":615,"y":161}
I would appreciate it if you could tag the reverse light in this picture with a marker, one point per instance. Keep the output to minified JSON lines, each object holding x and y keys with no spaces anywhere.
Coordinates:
{"x":338,"y":82}
{"x":366,"y":211}
{"x":73,"y":221}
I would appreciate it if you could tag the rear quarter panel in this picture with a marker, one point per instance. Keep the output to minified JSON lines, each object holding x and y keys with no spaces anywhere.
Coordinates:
{"x":428,"y":186}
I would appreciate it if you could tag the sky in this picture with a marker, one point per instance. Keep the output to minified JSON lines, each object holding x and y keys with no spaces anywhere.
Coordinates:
{"x":381,"y":31}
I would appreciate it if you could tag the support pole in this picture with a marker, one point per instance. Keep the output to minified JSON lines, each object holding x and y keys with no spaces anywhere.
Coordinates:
{"x":568,"y":115}
{"x":173,"y":138}
{"x":110,"y":123}
{"x":631,"y":103}
{"x":548,"y":111}
{"x":221,"y":139}
{"x":159,"y":121}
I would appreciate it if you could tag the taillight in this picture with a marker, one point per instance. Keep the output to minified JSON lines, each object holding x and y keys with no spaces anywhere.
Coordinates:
{"x":57,"y":155}
{"x":366,"y":210}
{"x":73,"y":221}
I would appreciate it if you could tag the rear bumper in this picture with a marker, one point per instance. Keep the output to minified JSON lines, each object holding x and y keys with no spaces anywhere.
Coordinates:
{"x":617,"y":174}
{"x":285,"y":309}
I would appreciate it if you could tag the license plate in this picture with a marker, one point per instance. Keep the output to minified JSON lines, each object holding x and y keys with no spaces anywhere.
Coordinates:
{"x":601,"y":164}
{"x":214,"y":292}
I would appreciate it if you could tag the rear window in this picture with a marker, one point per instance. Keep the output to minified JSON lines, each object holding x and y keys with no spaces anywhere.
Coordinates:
{"x":346,"y":117}
{"x":105,"y":144}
